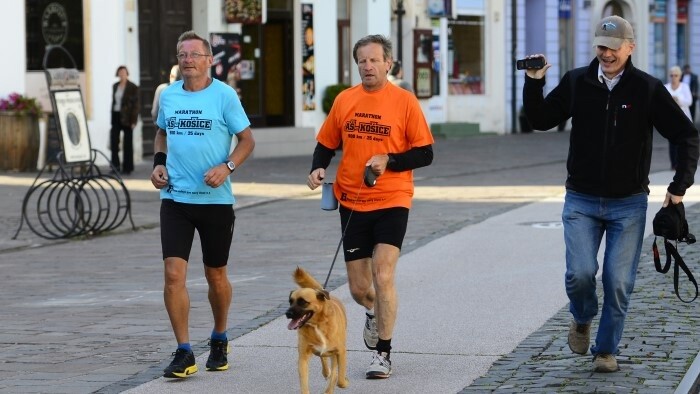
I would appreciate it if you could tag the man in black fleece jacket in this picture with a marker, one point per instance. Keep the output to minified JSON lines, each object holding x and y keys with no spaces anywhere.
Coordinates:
{"x":614,"y":108}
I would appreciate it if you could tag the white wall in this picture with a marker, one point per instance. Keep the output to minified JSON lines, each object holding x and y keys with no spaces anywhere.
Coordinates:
{"x":113,"y":42}
{"x":14,"y":63}
{"x":325,"y":57}
{"x":369,"y":17}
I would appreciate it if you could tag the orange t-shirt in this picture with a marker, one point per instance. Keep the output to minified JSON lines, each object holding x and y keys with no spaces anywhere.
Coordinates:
{"x":364,"y":124}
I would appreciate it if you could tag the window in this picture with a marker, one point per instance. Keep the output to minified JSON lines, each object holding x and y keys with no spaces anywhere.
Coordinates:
{"x":465,"y":55}
{"x":54,"y":22}
{"x":659,"y":40}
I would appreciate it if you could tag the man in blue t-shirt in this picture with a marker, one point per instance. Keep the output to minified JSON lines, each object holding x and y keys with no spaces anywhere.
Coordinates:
{"x":197,"y":120}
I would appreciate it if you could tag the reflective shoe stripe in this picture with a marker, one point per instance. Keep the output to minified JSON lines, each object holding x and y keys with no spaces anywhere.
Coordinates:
{"x":221,"y":368}
{"x":186,"y":373}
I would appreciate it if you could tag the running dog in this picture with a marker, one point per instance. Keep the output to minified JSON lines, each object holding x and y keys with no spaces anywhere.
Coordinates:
{"x":321,"y":323}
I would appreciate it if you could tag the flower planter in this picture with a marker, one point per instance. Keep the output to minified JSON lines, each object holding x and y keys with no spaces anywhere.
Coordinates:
{"x":19,"y":141}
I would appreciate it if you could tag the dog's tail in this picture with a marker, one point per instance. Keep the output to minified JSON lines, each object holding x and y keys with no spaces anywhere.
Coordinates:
{"x":304,"y":279}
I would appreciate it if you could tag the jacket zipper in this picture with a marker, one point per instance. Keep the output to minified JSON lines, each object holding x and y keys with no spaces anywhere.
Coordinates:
{"x":605,"y":138}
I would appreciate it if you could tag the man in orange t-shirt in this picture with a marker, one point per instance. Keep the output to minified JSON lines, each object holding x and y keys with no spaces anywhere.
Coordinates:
{"x":381,"y":126}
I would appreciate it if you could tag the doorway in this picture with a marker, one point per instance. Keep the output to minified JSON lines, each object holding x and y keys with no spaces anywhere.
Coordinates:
{"x":160,"y":25}
{"x":267,"y":93}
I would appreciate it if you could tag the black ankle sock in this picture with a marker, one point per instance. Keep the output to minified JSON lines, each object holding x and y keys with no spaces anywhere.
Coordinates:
{"x":384,"y":346}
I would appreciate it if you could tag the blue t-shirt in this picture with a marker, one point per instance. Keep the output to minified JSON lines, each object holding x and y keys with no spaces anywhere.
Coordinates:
{"x":200,"y":128}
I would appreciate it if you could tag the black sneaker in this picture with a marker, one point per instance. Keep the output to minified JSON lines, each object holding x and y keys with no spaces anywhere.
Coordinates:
{"x":183,"y":365}
{"x":217,"y":360}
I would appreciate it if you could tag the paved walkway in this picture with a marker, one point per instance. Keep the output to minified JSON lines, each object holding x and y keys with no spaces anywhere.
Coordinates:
{"x":480,"y":282}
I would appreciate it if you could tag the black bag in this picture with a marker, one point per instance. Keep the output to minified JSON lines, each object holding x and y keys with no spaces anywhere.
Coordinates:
{"x":670,"y":223}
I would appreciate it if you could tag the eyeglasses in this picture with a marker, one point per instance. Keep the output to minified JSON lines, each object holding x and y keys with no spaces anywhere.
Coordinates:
{"x":193,"y":55}
{"x":674,"y":75}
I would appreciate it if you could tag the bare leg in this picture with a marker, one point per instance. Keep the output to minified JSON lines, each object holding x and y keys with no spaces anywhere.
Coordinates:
{"x":360,"y":281}
{"x":383,"y":272}
{"x":220,"y":294}
{"x":177,"y":300}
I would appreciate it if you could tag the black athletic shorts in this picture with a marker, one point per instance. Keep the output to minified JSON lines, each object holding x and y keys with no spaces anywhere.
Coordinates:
{"x":366,"y":229}
{"x":213,"y":222}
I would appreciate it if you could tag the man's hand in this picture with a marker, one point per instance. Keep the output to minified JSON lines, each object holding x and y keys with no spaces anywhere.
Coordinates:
{"x":159,"y":176}
{"x":315,"y":179}
{"x":538,"y":73}
{"x":216,"y":175}
{"x":672,"y":198}
{"x":378,"y":164}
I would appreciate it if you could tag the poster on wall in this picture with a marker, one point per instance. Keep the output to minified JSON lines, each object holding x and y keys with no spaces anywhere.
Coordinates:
{"x":226,"y":53}
{"x":247,"y":12}
{"x":72,"y":126}
{"x":423,"y":62}
{"x":308,"y":87}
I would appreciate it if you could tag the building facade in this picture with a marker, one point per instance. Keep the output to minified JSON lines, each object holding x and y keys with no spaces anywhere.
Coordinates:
{"x":458,"y":54}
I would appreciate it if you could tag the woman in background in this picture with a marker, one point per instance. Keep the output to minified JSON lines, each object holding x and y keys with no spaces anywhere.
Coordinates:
{"x":680,"y":92}
{"x":125,"y":114}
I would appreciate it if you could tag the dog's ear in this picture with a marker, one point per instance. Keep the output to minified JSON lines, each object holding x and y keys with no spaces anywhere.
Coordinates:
{"x":323,"y":295}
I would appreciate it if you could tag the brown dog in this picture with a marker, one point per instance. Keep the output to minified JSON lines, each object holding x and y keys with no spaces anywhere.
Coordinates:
{"x":320,"y":319}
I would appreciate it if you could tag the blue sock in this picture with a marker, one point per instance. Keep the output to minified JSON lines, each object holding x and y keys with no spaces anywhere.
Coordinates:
{"x":219,"y":336}
{"x":185,"y":346}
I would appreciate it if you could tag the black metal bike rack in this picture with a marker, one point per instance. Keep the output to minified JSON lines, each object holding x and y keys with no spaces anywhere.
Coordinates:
{"x":79,"y":199}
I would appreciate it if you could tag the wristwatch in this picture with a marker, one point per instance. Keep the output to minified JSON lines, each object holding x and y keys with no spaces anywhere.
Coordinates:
{"x":231,"y":165}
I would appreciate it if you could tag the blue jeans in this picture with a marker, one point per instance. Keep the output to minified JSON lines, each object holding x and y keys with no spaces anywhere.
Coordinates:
{"x":586,"y":218}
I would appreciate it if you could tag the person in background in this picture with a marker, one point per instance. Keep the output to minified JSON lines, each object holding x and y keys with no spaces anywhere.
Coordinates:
{"x":382,"y":129}
{"x":691,"y":80}
{"x":125,"y":114}
{"x":682,"y":96}
{"x":197,"y":121}
{"x":396,"y":77}
{"x":174,"y":76}
{"x":614,"y":108}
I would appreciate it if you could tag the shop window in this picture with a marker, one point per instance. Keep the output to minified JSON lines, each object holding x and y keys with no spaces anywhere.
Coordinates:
{"x":54,"y":22}
{"x":465,"y":55}
{"x":658,"y":27}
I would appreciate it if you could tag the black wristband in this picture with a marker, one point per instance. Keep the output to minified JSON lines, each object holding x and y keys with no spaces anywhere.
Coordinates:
{"x":159,"y":159}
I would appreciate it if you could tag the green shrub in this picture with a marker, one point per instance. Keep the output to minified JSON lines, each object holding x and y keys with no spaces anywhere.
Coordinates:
{"x":329,"y":95}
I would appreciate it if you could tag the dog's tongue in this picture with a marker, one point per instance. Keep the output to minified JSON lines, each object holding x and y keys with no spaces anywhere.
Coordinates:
{"x":294,"y":324}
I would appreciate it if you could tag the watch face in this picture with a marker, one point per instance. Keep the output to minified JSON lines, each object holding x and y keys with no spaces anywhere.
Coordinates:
{"x":230,"y":166}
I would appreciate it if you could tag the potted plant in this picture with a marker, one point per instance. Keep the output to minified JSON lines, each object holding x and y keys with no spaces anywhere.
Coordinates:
{"x":329,"y":96}
{"x":19,"y":132}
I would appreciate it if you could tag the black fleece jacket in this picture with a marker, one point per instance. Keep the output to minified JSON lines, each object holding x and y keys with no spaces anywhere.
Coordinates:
{"x":611,"y":134}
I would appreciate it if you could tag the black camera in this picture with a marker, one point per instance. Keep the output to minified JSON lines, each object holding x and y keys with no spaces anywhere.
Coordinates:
{"x":534,"y":63}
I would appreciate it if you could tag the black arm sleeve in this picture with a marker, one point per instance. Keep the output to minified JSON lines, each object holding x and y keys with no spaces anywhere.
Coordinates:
{"x":411,"y":159}
{"x":322,"y":157}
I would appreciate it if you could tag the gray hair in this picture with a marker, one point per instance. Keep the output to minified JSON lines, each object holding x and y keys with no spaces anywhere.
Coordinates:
{"x":373,"y":39}
{"x":191,"y":35}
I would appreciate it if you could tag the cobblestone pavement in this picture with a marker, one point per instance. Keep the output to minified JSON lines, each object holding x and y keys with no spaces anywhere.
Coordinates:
{"x":86,"y":315}
{"x":660,"y":341}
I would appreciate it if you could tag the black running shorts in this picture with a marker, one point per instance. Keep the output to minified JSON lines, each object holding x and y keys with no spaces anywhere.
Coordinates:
{"x":213,"y":222}
{"x":366,"y":229}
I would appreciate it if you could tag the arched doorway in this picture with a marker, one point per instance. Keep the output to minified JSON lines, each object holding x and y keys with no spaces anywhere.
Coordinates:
{"x":612,"y":8}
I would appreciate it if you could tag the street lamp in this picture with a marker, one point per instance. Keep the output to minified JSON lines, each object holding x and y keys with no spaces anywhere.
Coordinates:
{"x":399,"y":12}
